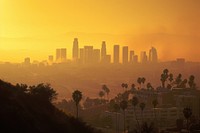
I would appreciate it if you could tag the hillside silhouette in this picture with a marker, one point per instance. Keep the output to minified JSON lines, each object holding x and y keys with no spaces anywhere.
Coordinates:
{"x":26,"y":109}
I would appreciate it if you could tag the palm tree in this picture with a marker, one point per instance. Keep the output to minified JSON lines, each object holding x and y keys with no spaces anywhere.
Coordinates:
{"x":106,"y":90}
{"x":187,"y":114}
{"x":77,"y":96}
{"x":183,"y":83}
{"x":191,"y":82}
{"x":143,"y":80}
{"x":124,"y":86}
{"x":149,"y":86}
{"x":101,"y":94}
{"x":116,"y":109}
{"x":142,"y":106}
{"x":135,"y":102}
{"x":164,"y":77}
{"x":123,"y":106}
{"x":171,"y":78}
{"x":155,"y":103}
{"x":139,"y":80}
{"x":178,"y":80}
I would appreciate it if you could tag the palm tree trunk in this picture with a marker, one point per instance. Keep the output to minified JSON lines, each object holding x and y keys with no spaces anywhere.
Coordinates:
{"x":124,"y":122}
{"x":136,"y":118}
{"x":77,"y":111}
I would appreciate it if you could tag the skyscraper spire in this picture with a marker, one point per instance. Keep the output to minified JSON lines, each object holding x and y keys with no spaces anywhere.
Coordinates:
{"x":75,"y":53}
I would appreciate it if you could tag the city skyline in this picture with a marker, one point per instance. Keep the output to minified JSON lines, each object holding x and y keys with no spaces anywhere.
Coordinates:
{"x":36,"y":28}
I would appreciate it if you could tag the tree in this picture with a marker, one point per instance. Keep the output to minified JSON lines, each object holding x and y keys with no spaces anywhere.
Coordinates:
{"x":143,"y":80}
{"x":139,"y":81}
{"x":124,"y":86}
{"x":183,"y":83}
{"x":187,"y":114}
{"x":149,"y":86}
{"x":178,"y":80}
{"x":134,"y":102}
{"x":191,"y":82}
{"x":164,"y":77}
{"x":133,"y":88}
{"x":106,"y":90}
{"x":155,"y":103}
{"x":123,"y":106}
{"x":116,"y":109}
{"x":171,"y":78}
{"x":77,"y":96}
{"x":43,"y":92}
{"x":142,"y":106}
{"x":101,"y":94}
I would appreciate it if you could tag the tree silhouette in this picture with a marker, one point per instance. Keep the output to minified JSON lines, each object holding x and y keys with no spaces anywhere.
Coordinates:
{"x":139,"y":81}
{"x":123,"y":106}
{"x":143,"y":80}
{"x":77,"y":96}
{"x":178,"y":80}
{"x":116,"y":108}
{"x":142,"y":107}
{"x":101,"y":94}
{"x":191,"y":82}
{"x":124,"y":86}
{"x":155,"y":103}
{"x":187,"y":114}
{"x":106,"y":90}
{"x":134,"y":102}
{"x":171,"y":78}
{"x":164,"y":77}
{"x":43,"y":92}
{"x":183,"y":83}
{"x":149,"y":86}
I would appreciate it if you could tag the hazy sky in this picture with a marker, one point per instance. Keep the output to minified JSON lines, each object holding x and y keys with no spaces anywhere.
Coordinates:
{"x":36,"y":28}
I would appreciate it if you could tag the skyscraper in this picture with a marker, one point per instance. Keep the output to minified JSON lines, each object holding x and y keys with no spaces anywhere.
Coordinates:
{"x":88,"y":54}
{"x":131,"y":56}
{"x":116,"y":54}
{"x":103,"y":51}
{"x":50,"y":58}
{"x":153,"y":57}
{"x":82,"y":55}
{"x":58,"y":55}
{"x":96,"y":55}
{"x":143,"y":57}
{"x":125,"y":55}
{"x":63,"y":54}
{"x":75,"y":53}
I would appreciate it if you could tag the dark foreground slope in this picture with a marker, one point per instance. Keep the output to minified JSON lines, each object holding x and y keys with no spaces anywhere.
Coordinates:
{"x":23,"y":112}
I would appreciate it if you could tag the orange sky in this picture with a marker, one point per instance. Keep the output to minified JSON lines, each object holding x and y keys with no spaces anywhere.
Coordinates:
{"x":36,"y":28}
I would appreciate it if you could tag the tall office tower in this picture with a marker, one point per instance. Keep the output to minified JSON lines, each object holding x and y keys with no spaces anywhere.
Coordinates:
{"x":153,"y":57}
{"x":107,"y":59}
{"x":125,"y":55}
{"x":58,"y":55}
{"x":116,"y":54}
{"x":82,"y":55}
{"x":103,"y":51}
{"x":131,"y":56}
{"x":143,"y":57}
{"x":88,"y":53}
{"x":63,"y":54}
{"x":96,"y":55}
{"x":75,"y":53}
{"x":50,"y":58}
{"x":135,"y":59}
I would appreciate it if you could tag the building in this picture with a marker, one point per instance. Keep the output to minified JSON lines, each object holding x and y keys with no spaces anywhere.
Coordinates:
{"x":27,"y":61}
{"x":116,"y":54}
{"x":125,"y":55}
{"x":135,"y":59}
{"x":153,"y":57}
{"x":143,"y":57}
{"x":82,"y":55}
{"x":108,"y":59}
{"x":131,"y":56}
{"x":75,"y":49}
{"x":61,"y":55}
{"x":96,"y":56}
{"x":50,"y":58}
{"x":88,"y":54}
{"x":103,"y":51}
